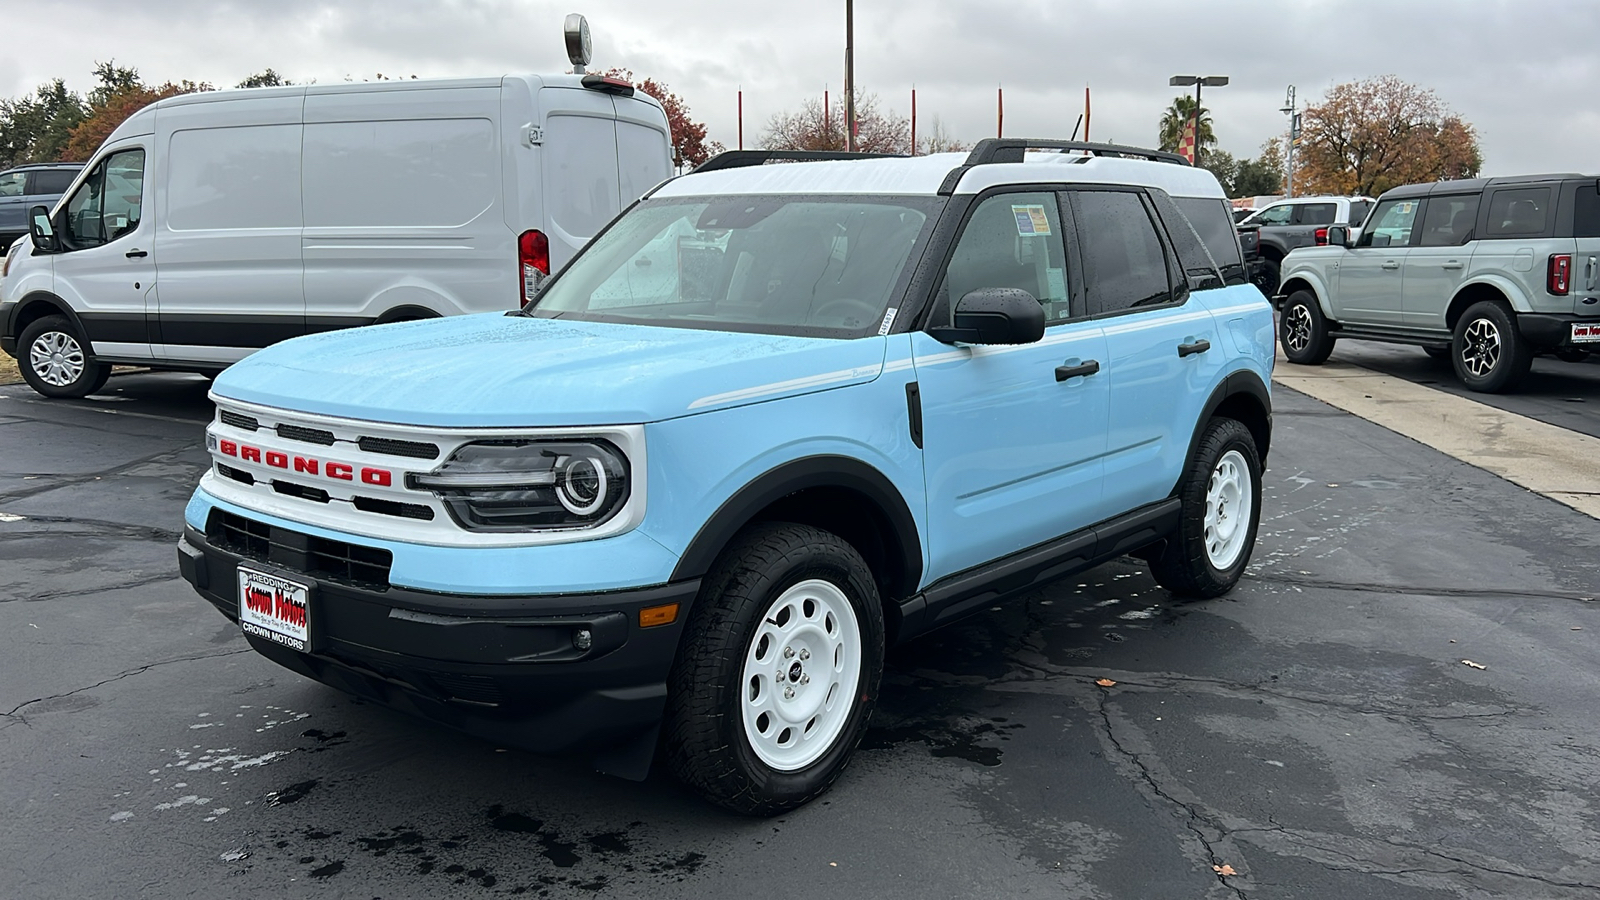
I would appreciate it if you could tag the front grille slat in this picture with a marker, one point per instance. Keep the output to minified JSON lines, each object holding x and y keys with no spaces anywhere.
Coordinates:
{"x":393,"y":508}
{"x":239,"y":420}
{"x":304,"y":492}
{"x":352,"y":564}
{"x":307,"y":435}
{"x":393,"y":447}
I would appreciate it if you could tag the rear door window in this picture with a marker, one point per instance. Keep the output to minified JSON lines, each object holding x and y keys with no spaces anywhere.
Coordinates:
{"x":1518,"y":212}
{"x":50,"y":181}
{"x":1124,"y":263}
{"x":1317,"y":214}
{"x":1449,"y":220}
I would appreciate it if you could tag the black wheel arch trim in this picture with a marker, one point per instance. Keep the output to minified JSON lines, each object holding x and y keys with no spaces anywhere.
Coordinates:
{"x":49,"y":299}
{"x":1242,"y":383}
{"x":408,"y":311}
{"x":807,"y":472}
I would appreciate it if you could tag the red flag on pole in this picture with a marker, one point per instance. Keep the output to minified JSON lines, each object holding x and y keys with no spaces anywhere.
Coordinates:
{"x":1186,"y":143}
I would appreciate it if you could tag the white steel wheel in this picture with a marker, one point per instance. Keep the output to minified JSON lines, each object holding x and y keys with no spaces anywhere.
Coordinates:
{"x":57,"y":358}
{"x":1480,"y":347}
{"x":1228,"y":502}
{"x":800,"y":675}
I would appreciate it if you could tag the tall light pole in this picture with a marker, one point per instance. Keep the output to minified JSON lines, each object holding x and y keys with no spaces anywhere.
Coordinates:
{"x":1197,"y":81}
{"x":1294,"y":132}
{"x":850,"y":75}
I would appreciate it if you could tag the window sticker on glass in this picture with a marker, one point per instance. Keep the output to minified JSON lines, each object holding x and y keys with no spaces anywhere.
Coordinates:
{"x":1031,"y":220}
{"x":1404,"y":209}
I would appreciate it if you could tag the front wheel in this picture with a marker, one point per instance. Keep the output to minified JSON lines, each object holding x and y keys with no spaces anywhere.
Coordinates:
{"x":780,"y":665}
{"x":56,"y":362}
{"x":1303,"y":331}
{"x":1221,"y":496}
{"x":1266,"y":277}
{"x":1488,"y":353}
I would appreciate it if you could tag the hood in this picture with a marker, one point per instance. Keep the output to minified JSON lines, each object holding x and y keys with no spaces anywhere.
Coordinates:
{"x":505,"y":371}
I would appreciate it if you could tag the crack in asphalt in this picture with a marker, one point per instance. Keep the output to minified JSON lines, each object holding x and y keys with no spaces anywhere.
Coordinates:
{"x":1194,"y":815}
{"x":81,"y":592}
{"x":1412,"y":590}
{"x":16,"y":713}
{"x":121,"y":529}
{"x":65,"y":481}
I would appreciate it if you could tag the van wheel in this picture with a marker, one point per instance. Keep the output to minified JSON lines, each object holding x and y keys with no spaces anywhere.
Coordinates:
{"x":55,"y":361}
{"x":779,"y":669}
{"x":1221,"y":496}
{"x":1302,"y":330}
{"x":1488,"y":353}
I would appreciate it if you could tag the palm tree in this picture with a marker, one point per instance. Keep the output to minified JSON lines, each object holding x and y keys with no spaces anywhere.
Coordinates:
{"x":1176,"y":119}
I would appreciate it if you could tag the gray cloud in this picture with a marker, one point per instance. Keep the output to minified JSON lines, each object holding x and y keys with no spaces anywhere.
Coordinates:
{"x":1519,"y":71}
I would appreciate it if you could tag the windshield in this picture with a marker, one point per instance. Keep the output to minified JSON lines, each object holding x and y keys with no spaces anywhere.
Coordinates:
{"x":797,"y":265}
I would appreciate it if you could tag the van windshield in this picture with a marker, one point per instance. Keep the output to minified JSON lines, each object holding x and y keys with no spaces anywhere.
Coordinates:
{"x":795,"y":265}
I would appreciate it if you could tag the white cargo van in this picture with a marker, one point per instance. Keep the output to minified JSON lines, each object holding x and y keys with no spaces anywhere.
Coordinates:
{"x":209,"y":225}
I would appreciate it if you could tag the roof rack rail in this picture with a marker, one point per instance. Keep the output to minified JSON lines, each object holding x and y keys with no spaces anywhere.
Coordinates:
{"x":739,"y":159}
{"x":1013,"y":150}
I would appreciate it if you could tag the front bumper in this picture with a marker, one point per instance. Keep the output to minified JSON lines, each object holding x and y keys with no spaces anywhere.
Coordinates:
{"x":1552,"y":331}
{"x":506,"y":669}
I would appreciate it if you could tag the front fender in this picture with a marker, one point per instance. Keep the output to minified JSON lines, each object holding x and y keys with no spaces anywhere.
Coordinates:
{"x":1313,"y":273}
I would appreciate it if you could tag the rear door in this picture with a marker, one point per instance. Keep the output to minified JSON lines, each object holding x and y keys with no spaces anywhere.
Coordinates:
{"x":1158,"y":364}
{"x":579,"y":155}
{"x":1436,"y":267}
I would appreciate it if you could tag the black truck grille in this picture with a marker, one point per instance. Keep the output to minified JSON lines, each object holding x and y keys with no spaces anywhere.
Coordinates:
{"x":353,"y":564}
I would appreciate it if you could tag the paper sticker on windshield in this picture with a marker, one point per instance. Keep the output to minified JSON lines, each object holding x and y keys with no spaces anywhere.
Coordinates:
{"x":888,"y":320}
{"x":1031,"y":220}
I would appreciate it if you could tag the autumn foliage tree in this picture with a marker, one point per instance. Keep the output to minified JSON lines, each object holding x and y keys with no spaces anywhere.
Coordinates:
{"x":119,"y":95}
{"x":689,"y":144}
{"x":1368,"y":136}
{"x":816,"y":128}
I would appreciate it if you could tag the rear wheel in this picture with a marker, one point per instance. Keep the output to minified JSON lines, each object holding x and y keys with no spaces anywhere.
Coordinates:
{"x":1488,"y":353}
{"x":1302,"y":330}
{"x":1221,"y":496}
{"x":56,"y":361}
{"x":779,"y":669}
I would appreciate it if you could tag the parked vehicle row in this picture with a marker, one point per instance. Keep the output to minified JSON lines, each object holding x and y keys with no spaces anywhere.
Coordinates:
{"x":210,"y":225}
{"x":26,"y":186}
{"x":771,"y":421}
{"x":1486,"y":272}
{"x":1279,"y":228}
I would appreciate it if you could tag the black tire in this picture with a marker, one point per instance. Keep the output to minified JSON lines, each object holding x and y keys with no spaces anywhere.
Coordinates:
{"x":706,"y":741}
{"x":1185,"y":565}
{"x":1441,"y":354}
{"x":72,"y":371}
{"x":1489,"y":354}
{"x":1302,"y":330}
{"x":1267,"y":276}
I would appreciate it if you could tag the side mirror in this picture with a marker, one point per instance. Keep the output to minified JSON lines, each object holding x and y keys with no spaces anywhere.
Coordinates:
{"x":994,"y":316}
{"x":42,"y":232}
{"x":1338,"y":236}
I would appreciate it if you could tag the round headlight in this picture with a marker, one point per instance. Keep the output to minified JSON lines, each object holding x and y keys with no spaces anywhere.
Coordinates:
{"x":582,"y":487}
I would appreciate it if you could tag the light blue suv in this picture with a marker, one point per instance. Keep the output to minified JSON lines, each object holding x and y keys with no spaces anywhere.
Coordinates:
{"x":772,"y":420}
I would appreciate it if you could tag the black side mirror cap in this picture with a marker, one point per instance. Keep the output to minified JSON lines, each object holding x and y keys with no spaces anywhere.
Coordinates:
{"x":994,"y":316}
{"x":42,"y":230}
{"x":1338,"y":236}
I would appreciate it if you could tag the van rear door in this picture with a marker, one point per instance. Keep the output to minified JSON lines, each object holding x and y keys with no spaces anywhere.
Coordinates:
{"x":579,"y":149}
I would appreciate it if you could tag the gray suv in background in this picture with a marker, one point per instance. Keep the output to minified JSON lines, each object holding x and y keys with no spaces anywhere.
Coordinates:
{"x":27,"y":186}
{"x":1484,"y":272}
{"x":1297,"y":222}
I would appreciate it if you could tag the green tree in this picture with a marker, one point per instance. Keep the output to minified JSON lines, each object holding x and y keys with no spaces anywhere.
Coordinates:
{"x":1222,"y":164}
{"x":1262,"y":175}
{"x":37,"y":128}
{"x":1176,"y":118}
{"x":265,"y":78}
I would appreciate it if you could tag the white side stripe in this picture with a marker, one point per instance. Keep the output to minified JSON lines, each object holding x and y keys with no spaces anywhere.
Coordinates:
{"x":779,"y":387}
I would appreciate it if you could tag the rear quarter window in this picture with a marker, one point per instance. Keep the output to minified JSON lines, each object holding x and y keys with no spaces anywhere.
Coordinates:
{"x":1518,"y":212}
{"x":1213,"y":222}
{"x":1586,"y":212}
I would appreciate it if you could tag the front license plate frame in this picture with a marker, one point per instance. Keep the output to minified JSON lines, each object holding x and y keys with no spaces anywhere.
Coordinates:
{"x":275,"y":608}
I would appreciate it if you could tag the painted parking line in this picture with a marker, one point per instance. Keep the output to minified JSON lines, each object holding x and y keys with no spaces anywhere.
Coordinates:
{"x":1546,"y":459}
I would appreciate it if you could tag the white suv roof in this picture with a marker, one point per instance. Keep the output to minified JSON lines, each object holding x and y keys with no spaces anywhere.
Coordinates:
{"x":925,"y":175}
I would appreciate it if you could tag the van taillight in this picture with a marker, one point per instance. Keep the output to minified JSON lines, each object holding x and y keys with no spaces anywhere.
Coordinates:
{"x":533,"y":253}
{"x":1322,"y":237}
{"x":1558,"y":278}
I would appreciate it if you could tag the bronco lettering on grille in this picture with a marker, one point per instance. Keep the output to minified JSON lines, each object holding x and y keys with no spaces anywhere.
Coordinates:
{"x":306,"y":465}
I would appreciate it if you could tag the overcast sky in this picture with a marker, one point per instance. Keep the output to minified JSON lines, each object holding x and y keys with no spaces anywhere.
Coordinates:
{"x":1525,"y":73}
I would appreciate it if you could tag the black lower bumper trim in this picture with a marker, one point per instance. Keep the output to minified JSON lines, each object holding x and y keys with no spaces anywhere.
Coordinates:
{"x":509,"y":669}
{"x":1548,"y":331}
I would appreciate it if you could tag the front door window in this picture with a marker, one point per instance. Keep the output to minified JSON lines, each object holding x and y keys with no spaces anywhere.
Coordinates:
{"x":1391,"y":224}
{"x":108,"y":204}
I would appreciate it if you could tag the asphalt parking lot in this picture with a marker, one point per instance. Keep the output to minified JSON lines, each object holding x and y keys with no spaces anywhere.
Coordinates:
{"x":1317,"y":731}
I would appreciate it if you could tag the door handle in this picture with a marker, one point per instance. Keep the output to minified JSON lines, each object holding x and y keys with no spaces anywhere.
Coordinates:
{"x":1199,"y":346}
{"x":1453,"y":264}
{"x":136,"y":254}
{"x":1087,"y":368}
{"x":1390,"y":264}
{"x":1589,"y":270}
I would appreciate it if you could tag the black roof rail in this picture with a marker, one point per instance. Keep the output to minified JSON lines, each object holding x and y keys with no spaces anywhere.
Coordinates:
{"x":1013,"y":150}
{"x":739,"y":159}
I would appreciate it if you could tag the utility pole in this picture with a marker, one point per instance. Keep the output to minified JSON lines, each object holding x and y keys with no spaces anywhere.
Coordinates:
{"x":850,"y":75}
{"x":1294,"y":132}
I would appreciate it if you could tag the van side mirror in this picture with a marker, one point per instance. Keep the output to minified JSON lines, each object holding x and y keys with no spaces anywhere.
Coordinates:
{"x":1338,"y":236}
{"x":994,"y":316}
{"x":42,"y":231}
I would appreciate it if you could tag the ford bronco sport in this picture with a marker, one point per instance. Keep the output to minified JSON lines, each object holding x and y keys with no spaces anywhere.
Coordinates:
{"x":772,"y":420}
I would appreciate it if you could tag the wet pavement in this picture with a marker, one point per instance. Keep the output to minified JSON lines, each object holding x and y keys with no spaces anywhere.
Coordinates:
{"x":1316,"y":731}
